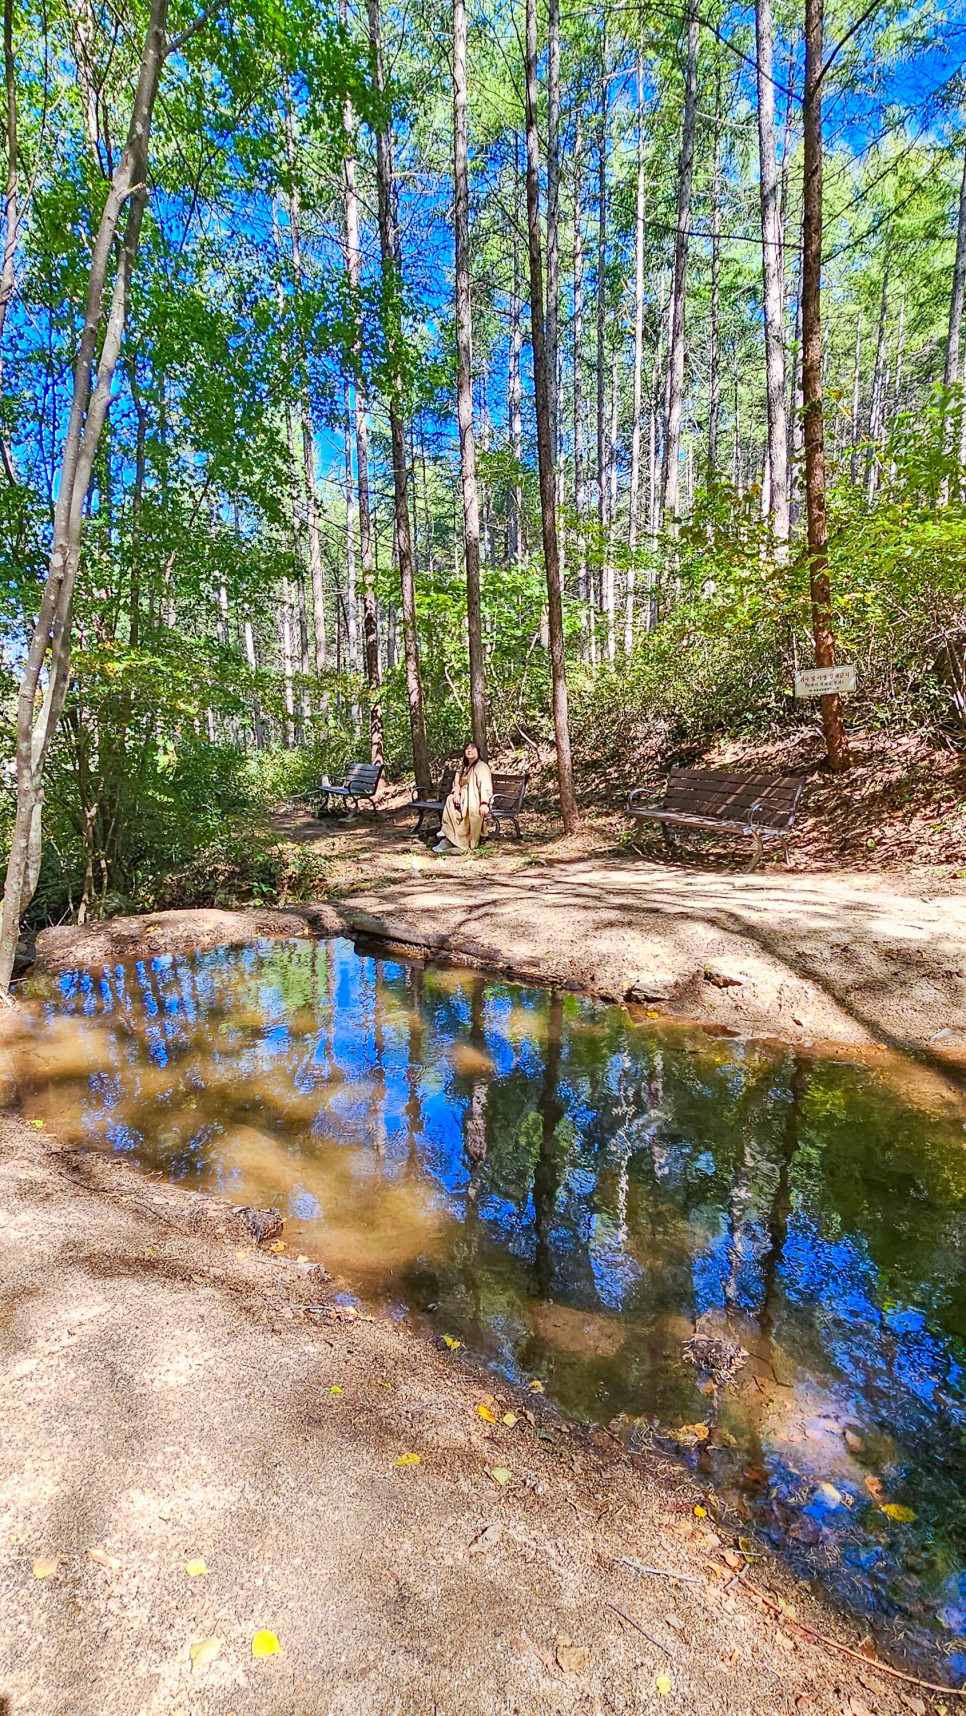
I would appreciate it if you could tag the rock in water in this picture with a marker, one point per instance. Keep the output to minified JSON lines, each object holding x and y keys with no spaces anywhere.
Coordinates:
{"x":261,"y":1224}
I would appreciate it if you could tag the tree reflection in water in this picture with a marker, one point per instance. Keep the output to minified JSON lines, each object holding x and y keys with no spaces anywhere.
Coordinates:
{"x":576,"y":1194}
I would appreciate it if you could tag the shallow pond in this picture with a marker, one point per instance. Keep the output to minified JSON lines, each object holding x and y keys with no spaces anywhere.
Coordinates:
{"x":574,"y":1195}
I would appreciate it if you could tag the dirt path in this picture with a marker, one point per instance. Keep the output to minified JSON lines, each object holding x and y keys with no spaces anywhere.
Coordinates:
{"x":836,"y":956}
{"x":169,"y":1393}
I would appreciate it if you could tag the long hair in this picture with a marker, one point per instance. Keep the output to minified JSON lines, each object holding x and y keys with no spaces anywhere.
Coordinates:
{"x":466,"y":761}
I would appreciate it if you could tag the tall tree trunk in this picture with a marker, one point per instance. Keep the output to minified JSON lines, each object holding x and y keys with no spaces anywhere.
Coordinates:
{"x":541,"y":388}
{"x":515,"y":390}
{"x":553,"y":215}
{"x":771,"y":262}
{"x":88,"y":411}
{"x":879,"y":384}
{"x":252,"y":660}
{"x":351,"y":527}
{"x":957,"y":293}
{"x":634,"y":499}
{"x":464,"y":381}
{"x":388,"y":244}
{"x":316,"y":571}
{"x":602,"y":292}
{"x":714,"y":356}
{"x":370,"y":612}
{"x":832,"y":718}
{"x":675,"y":376}
{"x":856,"y":401}
{"x":610,"y":570}
{"x":578,"y":393}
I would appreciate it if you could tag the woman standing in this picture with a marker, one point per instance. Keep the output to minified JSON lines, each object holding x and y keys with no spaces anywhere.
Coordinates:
{"x":464,"y":813}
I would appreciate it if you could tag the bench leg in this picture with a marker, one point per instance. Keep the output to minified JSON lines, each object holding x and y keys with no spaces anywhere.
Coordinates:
{"x":756,"y":855}
{"x":516,"y":829}
{"x":668,"y":838}
{"x":419,"y":824}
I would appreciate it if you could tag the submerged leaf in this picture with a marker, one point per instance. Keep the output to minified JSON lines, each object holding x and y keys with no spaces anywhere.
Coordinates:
{"x":897,"y":1511}
{"x":451,"y":1342}
{"x":535,"y":1387}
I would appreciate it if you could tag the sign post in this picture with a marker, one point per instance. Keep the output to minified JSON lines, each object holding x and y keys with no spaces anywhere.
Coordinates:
{"x":824,"y":681}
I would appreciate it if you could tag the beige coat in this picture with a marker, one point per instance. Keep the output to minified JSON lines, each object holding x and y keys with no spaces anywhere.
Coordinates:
{"x":464,"y":812}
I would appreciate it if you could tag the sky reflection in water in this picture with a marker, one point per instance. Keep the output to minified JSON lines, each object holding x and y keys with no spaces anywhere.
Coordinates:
{"x":573,"y":1195}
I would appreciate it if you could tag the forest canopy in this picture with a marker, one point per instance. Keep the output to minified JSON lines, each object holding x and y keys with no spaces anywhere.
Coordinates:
{"x":327,"y":456}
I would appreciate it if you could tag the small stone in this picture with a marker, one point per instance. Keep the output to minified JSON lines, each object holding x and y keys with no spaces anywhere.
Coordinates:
{"x":261,"y":1224}
{"x":722,"y":976}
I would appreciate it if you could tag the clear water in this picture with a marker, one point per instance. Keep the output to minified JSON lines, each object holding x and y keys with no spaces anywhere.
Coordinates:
{"x":574,"y":1194}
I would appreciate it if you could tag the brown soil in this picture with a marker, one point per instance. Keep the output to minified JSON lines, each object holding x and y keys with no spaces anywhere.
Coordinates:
{"x":169,"y":1393}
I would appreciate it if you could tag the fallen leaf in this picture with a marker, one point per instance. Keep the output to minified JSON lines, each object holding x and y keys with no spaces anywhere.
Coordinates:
{"x":916,"y":1705}
{"x":663,"y":1684}
{"x":335,"y":1389}
{"x":897,"y":1511}
{"x":103,"y":1559}
{"x":733,"y":1560}
{"x":500,"y":1474}
{"x":691,"y":1433}
{"x":408,"y":1459}
{"x":535,"y":1387}
{"x":487,"y":1416}
{"x":509,"y":1418}
{"x":204,"y":1651}
{"x":265,"y":1644}
{"x":874,"y":1487}
{"x":700,"y":1512}
{"x":45,"y":1565}
{"x":37,"y":1123}
{"x":451,"y":1342}
{"x":857,"y":1708}
{"x":195,"y":1569}
{"x":573,"y":1659}
{"x":278,"y":1245}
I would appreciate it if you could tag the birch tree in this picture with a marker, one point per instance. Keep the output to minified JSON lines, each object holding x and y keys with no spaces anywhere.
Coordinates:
{"x":464,"y":383}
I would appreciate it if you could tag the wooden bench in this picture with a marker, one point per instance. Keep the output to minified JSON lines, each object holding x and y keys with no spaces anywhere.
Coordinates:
{"x":761,"y":807}
{"x":360,"y":785}
{"x":433,"y":803}
{"x":509,"y":792}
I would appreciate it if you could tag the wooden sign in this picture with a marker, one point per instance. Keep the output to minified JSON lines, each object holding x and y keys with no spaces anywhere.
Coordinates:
{"x":822,"y":681}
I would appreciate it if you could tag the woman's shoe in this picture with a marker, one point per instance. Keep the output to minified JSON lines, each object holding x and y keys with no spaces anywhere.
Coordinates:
{"x":441,"y":846}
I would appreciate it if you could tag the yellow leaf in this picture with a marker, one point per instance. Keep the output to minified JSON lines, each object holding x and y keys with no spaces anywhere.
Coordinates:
{"x":37,"y":1123}
{"x":451,"y":1342}
{"x":195,"y":1569}
{"x":663,"y":1684}
{"x":535,"y":1387}
{"x":45,"y":1565}
{"x":265,"y":1644}
{"x":204,"y":1651}
{"x":700,"y":1512}
{"x":500,"y":1475}
{"x":336,"y":1389}
{"x":408,"y":1459}
{"x":510,"y":1418}
{"x":278,"y":1245}
{"x":487,"y":1416}
{"x":902,"y":1515}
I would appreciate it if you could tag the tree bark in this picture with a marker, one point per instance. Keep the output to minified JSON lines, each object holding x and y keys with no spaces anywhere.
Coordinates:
{"x":88,"y":411}
{"x":11,"y":206}
{"x":351,"y":529}
{"x":880,"y":385}
{"x":675,"y":379}
{"x":553,"y":212}
{"x":634,"y":499}
{"x":464,"y":380}
{"x":602,"y":291}
{"x":370,"y":611}
{"x":957,"y":293}
{"x":771,"y":262}
{"x":561,"y":720}
{"x":832,"y":718}
{"x":515,"y":391}
{"x":392,"y":283}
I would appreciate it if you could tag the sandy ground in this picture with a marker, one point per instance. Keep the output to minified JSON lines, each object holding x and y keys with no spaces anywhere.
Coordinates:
{"x":169,"y":1393}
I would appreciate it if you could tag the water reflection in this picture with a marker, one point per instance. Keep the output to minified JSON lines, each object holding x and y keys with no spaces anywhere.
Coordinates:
{"x":576,"y":1197}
